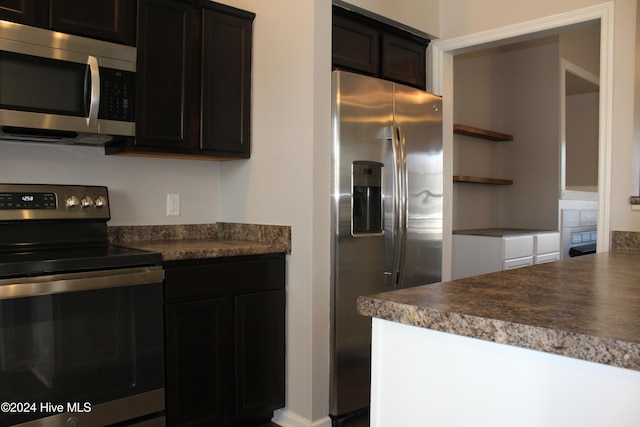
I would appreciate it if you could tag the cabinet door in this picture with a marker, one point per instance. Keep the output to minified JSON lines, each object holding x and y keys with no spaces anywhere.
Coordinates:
{"x":517,"y":246}
{"x":167,"y":78}
{"x":547,"y":243}
{"x":404,"y":60}
{"x":260,"y":349}
{"x":355,"y":46}
{"x":226,"y":83}
{"x":28,"y":12}
{"x":199,"y":354}
{"x":110,"y":20}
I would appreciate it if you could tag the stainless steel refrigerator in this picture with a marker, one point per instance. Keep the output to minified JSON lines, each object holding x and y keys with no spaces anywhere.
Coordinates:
{"x":386,"y":213}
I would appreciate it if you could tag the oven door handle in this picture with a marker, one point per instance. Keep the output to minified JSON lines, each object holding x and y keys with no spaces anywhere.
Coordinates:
{"x":77,"y":282}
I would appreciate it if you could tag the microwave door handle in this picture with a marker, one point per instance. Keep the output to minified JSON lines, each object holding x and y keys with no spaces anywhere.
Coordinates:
{"x":92,"y":86}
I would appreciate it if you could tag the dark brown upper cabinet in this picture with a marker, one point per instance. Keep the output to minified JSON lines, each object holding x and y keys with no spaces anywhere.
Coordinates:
{"x":371,"y":47}
{"x":193,"y":81}
{"x":355,"y":45}
{"x":22,"y":12}
{"x":167,"y":74}
{"x":226,"y":88}
{"x":109,"y":20}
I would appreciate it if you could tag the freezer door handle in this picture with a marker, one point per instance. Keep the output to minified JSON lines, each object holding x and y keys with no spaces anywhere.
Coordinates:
{"x":393,"y":274}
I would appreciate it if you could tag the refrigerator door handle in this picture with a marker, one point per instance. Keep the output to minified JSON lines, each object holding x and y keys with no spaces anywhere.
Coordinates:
{"x":398,"y":212}
{"x":404,"y":208}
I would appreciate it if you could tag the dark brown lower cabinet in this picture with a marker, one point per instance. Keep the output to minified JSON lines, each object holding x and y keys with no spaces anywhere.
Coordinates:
{"x":225,"y":340}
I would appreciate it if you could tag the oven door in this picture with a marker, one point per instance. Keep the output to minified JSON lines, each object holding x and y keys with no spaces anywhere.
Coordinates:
{"x":83,"y":347}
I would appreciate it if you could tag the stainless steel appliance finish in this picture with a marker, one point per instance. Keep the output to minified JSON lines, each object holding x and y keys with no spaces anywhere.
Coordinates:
{"x":109,"y":413}
{"x":386,"y":214}
{"x":81,"y":321}
{"x":76,"y":282}
{"x":49,"y":202}
{"x":56,"y":87}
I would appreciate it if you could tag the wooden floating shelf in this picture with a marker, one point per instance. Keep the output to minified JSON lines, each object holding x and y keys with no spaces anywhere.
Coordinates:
{"x":481,"y":180}
{"x":461,"y":129}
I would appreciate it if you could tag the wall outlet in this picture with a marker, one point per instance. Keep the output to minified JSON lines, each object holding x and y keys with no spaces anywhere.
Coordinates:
{"x":173,"y":205}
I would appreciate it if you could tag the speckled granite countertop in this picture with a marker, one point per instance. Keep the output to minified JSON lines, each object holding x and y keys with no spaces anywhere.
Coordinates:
{"x":500,"y":232}
{"x":586,"y":308}
{"x":184,"y":242}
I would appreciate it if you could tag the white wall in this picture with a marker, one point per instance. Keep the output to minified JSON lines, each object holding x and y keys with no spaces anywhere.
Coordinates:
{"x":477,"y":78}
{"x":287,"y":179}
{"x":464,"y":17}
{"x":581,"y":128}
{"x":138,"y":186}
{"x":582,"y":141}
{"x":530,"y":111}
{"x":581,"y":47}
{"x":422,"y":15}
{"x":515,"y":90}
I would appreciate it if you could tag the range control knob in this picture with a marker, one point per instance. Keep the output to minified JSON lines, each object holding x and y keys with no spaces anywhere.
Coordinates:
{"x":86,"y":202}
{"x":71,"y":201}
{"x":100,"y":202}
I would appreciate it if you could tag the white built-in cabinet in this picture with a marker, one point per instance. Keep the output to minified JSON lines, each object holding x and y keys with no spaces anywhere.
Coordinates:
{"x":475,"y":254}
{"x":547,"y":248}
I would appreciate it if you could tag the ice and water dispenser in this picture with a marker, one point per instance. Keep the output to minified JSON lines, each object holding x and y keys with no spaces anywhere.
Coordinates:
{"x":366,"y":214}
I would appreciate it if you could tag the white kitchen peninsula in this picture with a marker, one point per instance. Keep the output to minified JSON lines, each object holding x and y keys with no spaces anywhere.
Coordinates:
{"x":554,"y":344}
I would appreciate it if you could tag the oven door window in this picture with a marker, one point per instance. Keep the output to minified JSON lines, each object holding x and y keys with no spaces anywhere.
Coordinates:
{"x":91,"y":346}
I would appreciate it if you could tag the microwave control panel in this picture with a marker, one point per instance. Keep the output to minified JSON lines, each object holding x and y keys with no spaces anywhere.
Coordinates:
{"x":117,"y":92}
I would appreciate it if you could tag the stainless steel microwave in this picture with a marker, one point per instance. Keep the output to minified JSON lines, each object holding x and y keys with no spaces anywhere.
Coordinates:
{"x":57,"y":87}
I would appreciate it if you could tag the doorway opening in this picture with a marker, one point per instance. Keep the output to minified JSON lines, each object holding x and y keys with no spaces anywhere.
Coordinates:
{"x":579,"y":131}
{"x":442,"y":55}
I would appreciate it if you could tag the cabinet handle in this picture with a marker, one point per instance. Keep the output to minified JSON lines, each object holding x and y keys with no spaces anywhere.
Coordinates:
{"x":512,"y":266}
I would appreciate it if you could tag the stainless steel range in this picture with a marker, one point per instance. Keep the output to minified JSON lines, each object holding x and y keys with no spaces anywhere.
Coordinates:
{"x":81,"y":321}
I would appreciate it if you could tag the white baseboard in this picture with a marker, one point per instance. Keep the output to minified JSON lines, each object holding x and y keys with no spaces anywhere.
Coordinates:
{"x":286,"y":418}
